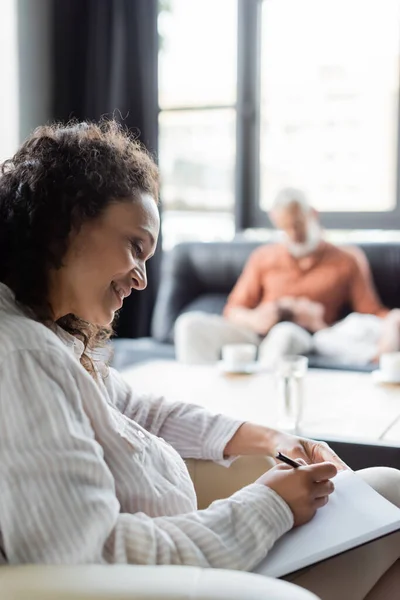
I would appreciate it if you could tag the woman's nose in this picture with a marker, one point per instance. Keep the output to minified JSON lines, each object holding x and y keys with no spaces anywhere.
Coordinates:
{"x":139,"y":279}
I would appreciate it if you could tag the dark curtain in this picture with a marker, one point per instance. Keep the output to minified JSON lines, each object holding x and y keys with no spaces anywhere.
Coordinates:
{"x":105,"y":63}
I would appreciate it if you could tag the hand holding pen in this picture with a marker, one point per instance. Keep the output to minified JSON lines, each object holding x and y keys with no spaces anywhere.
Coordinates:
{"x":289,"y":461}
{"x":304,"y":490}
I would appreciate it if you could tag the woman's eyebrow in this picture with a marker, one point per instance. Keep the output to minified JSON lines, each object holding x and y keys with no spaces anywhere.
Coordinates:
{"x":148,"y":234}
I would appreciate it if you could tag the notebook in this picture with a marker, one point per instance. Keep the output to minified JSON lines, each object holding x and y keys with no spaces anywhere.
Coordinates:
{"x":354,"y":515}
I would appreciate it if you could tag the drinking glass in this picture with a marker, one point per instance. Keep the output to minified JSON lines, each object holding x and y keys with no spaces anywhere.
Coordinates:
{"x":290,"y":373}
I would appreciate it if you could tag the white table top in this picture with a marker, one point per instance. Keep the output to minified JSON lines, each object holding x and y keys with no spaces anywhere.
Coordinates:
{"x":337,"y":404}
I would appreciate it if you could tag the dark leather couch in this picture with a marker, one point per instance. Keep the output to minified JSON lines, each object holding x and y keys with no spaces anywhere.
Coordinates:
{"x":199,"y":276}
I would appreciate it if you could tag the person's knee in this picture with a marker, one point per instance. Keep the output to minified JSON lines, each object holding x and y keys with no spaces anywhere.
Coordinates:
{"x":385,"y":480}
{"x":285,"y":329}
{"x":193,"y":336}
{"x":290,"y":334}
{"x":190,"y":327}
{"x":283,"y":339}
{"x":394,"y":316}
{"x":188,"y":323}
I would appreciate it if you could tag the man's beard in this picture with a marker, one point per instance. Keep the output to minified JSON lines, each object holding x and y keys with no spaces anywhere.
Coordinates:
{"x":314,"y":236}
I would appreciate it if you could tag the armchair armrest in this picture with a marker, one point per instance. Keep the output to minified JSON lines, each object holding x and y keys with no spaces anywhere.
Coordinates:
{"x":123,"y":582}
{"x":213,"y":481}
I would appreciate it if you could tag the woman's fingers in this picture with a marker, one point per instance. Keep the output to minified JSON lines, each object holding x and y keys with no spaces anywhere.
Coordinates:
{"x":323,"y":488}
{"x":322,"y":471}
{"x":320,"y":502}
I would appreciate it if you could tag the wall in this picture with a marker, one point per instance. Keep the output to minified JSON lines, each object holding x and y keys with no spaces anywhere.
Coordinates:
{"x":34,"y":56}
{"x":9,"y":113}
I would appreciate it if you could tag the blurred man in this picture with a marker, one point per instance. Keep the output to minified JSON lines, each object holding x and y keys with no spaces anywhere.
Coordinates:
{"x":288,"y":292}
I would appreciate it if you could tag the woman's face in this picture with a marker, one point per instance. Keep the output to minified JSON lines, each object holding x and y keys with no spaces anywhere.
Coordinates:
{"x":105,"y":260}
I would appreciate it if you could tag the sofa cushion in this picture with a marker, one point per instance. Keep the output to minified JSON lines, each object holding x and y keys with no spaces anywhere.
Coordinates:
{"x":207,"y":303}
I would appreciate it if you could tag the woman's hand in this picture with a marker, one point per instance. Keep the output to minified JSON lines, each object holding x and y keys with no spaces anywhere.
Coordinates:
{"x":304,"y":490}
{"x":310,"y":451}
{"x":256,"y":439}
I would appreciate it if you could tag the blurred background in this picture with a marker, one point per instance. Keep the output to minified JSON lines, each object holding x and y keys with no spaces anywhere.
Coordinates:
{"x":236,"y":99}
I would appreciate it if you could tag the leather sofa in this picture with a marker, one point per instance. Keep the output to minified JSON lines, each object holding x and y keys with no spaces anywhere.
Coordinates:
{"x":199,"y":276}
{"x":135,"y":582}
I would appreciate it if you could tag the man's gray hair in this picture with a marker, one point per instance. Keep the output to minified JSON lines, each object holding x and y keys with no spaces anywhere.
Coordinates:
{"x":289,"y":196}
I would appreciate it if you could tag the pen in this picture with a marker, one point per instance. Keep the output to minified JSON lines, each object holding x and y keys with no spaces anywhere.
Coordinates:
{"x":287,"y":460}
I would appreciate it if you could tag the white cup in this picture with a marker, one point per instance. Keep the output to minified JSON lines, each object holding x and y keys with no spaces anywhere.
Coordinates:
{"x":236,"y":355}
{"x":389,"y":364}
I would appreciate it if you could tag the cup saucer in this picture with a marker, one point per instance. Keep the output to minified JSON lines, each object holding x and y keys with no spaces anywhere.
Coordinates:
{"x":382,"y":377}
{"x":238,"y":368}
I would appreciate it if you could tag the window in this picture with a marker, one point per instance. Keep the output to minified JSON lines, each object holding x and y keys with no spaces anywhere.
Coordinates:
{"x":257,"y":95}
{"x":197,"y":120}
{"x":329,"y":102}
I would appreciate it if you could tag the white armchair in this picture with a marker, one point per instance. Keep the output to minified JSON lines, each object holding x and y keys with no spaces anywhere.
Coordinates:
{"x":129,"y":582}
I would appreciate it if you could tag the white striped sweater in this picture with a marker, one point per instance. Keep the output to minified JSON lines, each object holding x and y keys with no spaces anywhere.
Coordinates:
{"x":92,"y":473}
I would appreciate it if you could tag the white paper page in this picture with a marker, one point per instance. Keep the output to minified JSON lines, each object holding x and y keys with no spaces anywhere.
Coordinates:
{"x":355,"y":514}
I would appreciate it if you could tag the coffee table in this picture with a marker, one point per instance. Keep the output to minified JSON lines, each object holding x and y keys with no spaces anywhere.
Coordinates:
{"x":357,"y":417}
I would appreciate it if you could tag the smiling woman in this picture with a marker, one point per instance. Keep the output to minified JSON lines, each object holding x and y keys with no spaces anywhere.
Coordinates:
{"x":92,"y":472}
{"x":105,"y":259}
{"x":78,"y":220}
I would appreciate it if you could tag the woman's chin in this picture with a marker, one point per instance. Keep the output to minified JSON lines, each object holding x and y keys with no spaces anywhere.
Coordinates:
{"x":103,"y":318}
{"x":107,"y":319}
{"x":101,"y":314}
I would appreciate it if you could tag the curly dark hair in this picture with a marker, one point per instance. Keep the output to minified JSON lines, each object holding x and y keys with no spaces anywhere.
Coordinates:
{"x":62,"y":176}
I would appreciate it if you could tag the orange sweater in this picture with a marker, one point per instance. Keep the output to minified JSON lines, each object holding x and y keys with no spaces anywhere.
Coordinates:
{"x":331,"y":275}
